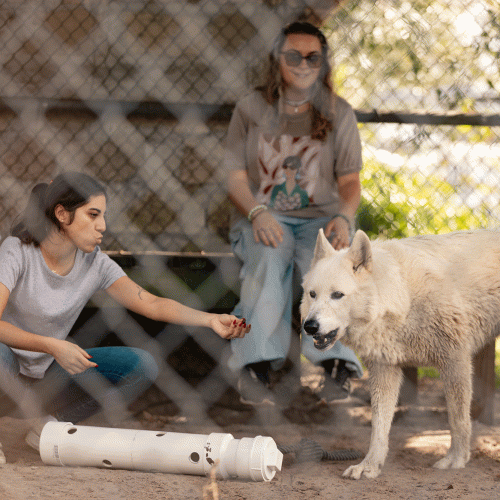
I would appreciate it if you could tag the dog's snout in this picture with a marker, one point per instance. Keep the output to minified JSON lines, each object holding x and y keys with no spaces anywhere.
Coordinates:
{"x":311,"y":326}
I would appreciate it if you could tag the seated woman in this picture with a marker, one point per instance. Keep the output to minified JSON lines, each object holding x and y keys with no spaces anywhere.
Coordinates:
{"x":293,"y":159}
{"x":49,"y":268}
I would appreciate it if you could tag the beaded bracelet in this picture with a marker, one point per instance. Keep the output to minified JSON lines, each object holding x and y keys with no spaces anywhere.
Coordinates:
{"x":254,"y":211}
{"x":343,"y":217}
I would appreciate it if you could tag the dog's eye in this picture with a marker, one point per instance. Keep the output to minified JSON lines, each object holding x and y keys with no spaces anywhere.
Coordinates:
{"x":337,"y":295}
{"x":312,"y":293}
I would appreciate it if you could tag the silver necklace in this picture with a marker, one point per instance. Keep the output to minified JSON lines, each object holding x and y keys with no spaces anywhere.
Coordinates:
{"x":296,"y":104}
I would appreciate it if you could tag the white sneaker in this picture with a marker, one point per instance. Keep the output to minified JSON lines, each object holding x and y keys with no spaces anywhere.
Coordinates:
{"x":33,"y":436}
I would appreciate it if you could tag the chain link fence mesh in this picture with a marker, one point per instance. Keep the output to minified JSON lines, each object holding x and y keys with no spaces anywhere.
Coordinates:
{"x":140,"y":93}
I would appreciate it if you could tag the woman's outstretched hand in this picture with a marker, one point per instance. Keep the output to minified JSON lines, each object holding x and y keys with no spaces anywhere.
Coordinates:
{"x":70,"y":356}
{"x":229,"y":326}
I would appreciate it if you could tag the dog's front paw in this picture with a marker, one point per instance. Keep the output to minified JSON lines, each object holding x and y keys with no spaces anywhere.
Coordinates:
{"x":452,"y":461}
{"x":364,"y":468}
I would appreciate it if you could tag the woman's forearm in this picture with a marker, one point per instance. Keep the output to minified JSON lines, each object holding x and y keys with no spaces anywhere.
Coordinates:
{"x":349,"y":195}
{"x":20,"y":339}
{"x":239,"y":191}
{"x":132,"y":296}
{"x":171,"y":311}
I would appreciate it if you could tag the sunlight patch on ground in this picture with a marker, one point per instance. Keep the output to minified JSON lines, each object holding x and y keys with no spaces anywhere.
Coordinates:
{"x":430,"y":441}
{"x":489,"y":446}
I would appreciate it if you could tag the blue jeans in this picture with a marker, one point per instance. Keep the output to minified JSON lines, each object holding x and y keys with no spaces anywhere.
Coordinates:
{"x":122,"y":374}
{"x":266,"y":297}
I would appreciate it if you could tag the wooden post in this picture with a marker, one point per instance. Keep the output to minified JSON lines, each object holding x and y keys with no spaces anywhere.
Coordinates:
{"x":482,"y":407}
{"x":409,"y":388}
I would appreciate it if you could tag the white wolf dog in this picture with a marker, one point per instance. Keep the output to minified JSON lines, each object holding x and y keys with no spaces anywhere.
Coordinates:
{"x":420,"y":301}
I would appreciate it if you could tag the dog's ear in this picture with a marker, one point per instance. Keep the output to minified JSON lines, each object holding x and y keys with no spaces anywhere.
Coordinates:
{"x":323,"y":247}
{"x":360,"y":252}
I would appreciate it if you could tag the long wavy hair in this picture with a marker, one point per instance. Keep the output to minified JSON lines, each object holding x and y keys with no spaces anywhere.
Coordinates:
{"x":322,"y":93}
{"x":71,"y":190}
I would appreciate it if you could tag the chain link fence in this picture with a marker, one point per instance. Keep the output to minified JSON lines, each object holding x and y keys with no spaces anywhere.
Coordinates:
{"x":140,"y":93}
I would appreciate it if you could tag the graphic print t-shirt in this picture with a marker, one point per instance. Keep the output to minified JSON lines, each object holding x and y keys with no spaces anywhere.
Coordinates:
{"x":288,"y":170}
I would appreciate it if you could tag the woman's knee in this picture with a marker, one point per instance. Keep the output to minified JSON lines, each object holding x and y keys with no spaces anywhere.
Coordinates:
{"x":140,"y":363}
{"x":270,"y":261}
{"x":146,"y":364}
{"x":9,"y":383}
{"x":121,"y":362}
{"x":8,"y":361}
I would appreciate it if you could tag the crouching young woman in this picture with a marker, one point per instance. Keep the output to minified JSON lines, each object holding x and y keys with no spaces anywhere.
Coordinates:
{"x":50,"y":266}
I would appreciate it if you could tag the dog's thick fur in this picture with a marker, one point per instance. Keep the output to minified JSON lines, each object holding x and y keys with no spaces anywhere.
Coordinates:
{"x":421,"y":301}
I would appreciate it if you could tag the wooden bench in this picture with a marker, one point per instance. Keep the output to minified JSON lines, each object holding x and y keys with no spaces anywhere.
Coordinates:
{"x":222,"y":269}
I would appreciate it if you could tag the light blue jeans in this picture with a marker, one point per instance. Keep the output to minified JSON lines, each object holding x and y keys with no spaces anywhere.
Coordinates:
{"x":266,"y":297}
{"x":122,"y":374}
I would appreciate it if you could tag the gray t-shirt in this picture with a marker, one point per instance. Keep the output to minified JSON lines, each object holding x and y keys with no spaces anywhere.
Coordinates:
{"x":288,"y":170}
{"x":45,"y":303}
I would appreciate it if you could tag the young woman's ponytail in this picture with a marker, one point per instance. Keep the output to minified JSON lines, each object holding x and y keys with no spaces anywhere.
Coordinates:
{"x":32,"y":226}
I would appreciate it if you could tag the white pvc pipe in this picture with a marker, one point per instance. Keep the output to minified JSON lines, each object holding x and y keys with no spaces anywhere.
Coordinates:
{"x":62,"y":443}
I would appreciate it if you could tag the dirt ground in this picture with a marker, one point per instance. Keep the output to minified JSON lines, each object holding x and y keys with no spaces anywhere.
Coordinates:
{"x":419,"y":437}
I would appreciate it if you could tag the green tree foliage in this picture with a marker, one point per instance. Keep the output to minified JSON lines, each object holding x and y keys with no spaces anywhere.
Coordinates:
{"x":432,"y":57}
{"x":398,"y":204}
{"x":425,"y":54}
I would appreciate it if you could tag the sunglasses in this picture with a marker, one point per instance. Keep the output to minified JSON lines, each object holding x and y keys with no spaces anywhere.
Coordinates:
{"x":294,"y":58}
